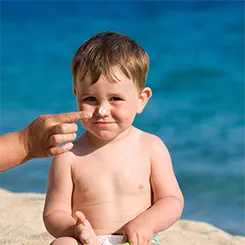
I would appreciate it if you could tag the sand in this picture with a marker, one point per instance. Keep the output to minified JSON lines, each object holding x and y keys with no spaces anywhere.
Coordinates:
{"x":21,"y":224}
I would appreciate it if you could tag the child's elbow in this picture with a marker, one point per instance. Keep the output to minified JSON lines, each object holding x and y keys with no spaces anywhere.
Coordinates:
{"x":45,"y":216}
{"x":180,"y":203}
{"x":48,"y":223}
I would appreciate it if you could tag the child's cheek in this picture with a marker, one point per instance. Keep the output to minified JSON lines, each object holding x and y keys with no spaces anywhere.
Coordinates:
{"x":86,"y":107}
{"x":124,"y":112}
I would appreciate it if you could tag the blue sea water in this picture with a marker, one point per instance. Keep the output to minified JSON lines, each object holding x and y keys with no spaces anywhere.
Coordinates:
{"x":197,"y":77}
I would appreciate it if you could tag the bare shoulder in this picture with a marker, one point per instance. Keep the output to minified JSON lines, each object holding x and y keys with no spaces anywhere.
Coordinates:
{"x":67,"y":158}
{"x":153,"y":143}
{"x":80,"y":146}
{"x":62,"y":161}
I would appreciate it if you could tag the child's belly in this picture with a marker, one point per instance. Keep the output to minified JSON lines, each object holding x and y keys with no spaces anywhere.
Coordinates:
{"x":109,"y":216}
{"x":109,"y":205}
{"x":110,"y":194}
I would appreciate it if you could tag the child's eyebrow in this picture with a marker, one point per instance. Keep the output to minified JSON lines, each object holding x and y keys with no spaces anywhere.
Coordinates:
{"x":116,"y":94}
{"x":84,"y":95}
{"x":122,"y":96}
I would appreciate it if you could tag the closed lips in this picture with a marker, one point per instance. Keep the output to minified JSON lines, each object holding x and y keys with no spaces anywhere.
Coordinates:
{"x":104,"y":122}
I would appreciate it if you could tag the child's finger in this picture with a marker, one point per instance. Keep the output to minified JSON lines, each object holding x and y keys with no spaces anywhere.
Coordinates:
{"x":141,"y":240}
{"x":80,"y":218}
{"x":85,"y":237}
{"x":132,"y":238}
{"x":124,"y":239}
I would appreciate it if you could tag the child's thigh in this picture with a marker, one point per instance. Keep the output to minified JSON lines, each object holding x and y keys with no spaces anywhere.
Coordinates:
{"x":65,"y":241}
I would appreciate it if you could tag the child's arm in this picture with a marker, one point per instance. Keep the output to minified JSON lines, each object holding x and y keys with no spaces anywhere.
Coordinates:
{"x":57,"y":214}
{"x":168,"y":199}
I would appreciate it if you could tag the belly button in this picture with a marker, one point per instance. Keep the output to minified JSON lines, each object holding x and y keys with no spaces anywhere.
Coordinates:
{"x":85,"y":190}
{"x":141,"y":186}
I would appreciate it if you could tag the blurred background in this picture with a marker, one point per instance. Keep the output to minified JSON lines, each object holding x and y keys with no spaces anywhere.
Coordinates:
{"x":196,"y":50}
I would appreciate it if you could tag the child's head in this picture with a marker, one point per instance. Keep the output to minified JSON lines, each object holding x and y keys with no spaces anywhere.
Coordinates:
{"x":107,"y":50}
{"x":109,"y":73}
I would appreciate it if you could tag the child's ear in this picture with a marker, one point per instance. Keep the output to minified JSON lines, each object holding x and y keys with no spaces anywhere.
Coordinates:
{"x":74,"y":90}
{"x":145,"y":95}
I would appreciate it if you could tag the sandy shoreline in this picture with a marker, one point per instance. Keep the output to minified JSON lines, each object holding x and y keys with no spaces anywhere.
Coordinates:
{"x":21,"y":224}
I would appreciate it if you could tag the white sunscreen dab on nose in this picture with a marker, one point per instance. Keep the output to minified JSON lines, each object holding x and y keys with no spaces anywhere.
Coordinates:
{"x":102,"y":111}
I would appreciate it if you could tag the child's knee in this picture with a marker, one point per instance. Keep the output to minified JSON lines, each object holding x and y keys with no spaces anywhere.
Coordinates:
{"x":65,"y":241}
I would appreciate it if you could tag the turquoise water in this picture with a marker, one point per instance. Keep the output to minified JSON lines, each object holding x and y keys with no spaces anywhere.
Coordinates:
{"x":197,"y":77}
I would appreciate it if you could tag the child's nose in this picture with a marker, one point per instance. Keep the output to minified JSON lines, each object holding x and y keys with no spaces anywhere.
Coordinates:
{"x":103,"y":111}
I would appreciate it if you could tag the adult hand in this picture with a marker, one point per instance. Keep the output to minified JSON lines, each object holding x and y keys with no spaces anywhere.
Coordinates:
{"x":137,"y":232}
{"x":42,"y":138}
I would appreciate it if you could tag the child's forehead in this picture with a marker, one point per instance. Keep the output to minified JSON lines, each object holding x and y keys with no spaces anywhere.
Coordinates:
{"x":113,"y":75}
{"x":104,"y":88}
{"x":110,"y":80}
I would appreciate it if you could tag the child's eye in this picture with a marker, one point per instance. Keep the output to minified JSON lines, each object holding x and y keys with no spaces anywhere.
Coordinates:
{"x":90,"y":99}
{"x":115,"y":99}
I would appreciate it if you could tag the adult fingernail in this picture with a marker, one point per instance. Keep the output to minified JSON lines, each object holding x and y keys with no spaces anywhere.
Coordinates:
{"x":69,"y":145}
{"x":87,"y":114}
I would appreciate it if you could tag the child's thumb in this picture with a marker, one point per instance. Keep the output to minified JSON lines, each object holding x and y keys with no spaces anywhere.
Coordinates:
{"x":80,"y":218}
{"x":124,"y":238}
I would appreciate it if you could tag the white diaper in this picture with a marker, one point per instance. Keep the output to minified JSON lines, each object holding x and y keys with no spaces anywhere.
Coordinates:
{"x":110,"y":239}
{"x":117,"y":239}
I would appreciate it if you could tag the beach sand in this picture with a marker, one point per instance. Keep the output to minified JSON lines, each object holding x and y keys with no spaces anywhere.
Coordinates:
{"x":21,"y":224}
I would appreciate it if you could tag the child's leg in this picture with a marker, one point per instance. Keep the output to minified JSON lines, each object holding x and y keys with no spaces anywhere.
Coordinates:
{"x":65,"y":241}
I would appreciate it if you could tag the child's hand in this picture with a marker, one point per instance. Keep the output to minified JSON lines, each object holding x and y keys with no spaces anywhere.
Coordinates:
{"x":81,"y":229}
{"x":137,"y":233}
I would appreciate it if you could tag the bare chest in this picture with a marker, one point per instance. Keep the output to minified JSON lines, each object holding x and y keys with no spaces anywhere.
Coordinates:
{"x":111,"y":178}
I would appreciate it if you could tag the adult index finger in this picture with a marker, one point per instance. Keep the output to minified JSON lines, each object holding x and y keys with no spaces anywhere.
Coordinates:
{"x":71,"y":117}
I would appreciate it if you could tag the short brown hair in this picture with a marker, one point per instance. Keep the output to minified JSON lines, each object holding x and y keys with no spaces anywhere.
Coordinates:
{"x":106,"y":50}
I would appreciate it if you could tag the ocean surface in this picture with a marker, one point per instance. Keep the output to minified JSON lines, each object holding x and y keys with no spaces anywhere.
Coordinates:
{"x":197,"y":77}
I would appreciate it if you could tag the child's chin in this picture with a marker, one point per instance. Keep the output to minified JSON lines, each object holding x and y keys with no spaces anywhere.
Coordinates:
{"x":105,"y":135}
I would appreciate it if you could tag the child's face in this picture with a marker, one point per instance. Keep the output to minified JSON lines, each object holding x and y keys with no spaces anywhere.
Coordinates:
{"x":120,"y":100}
